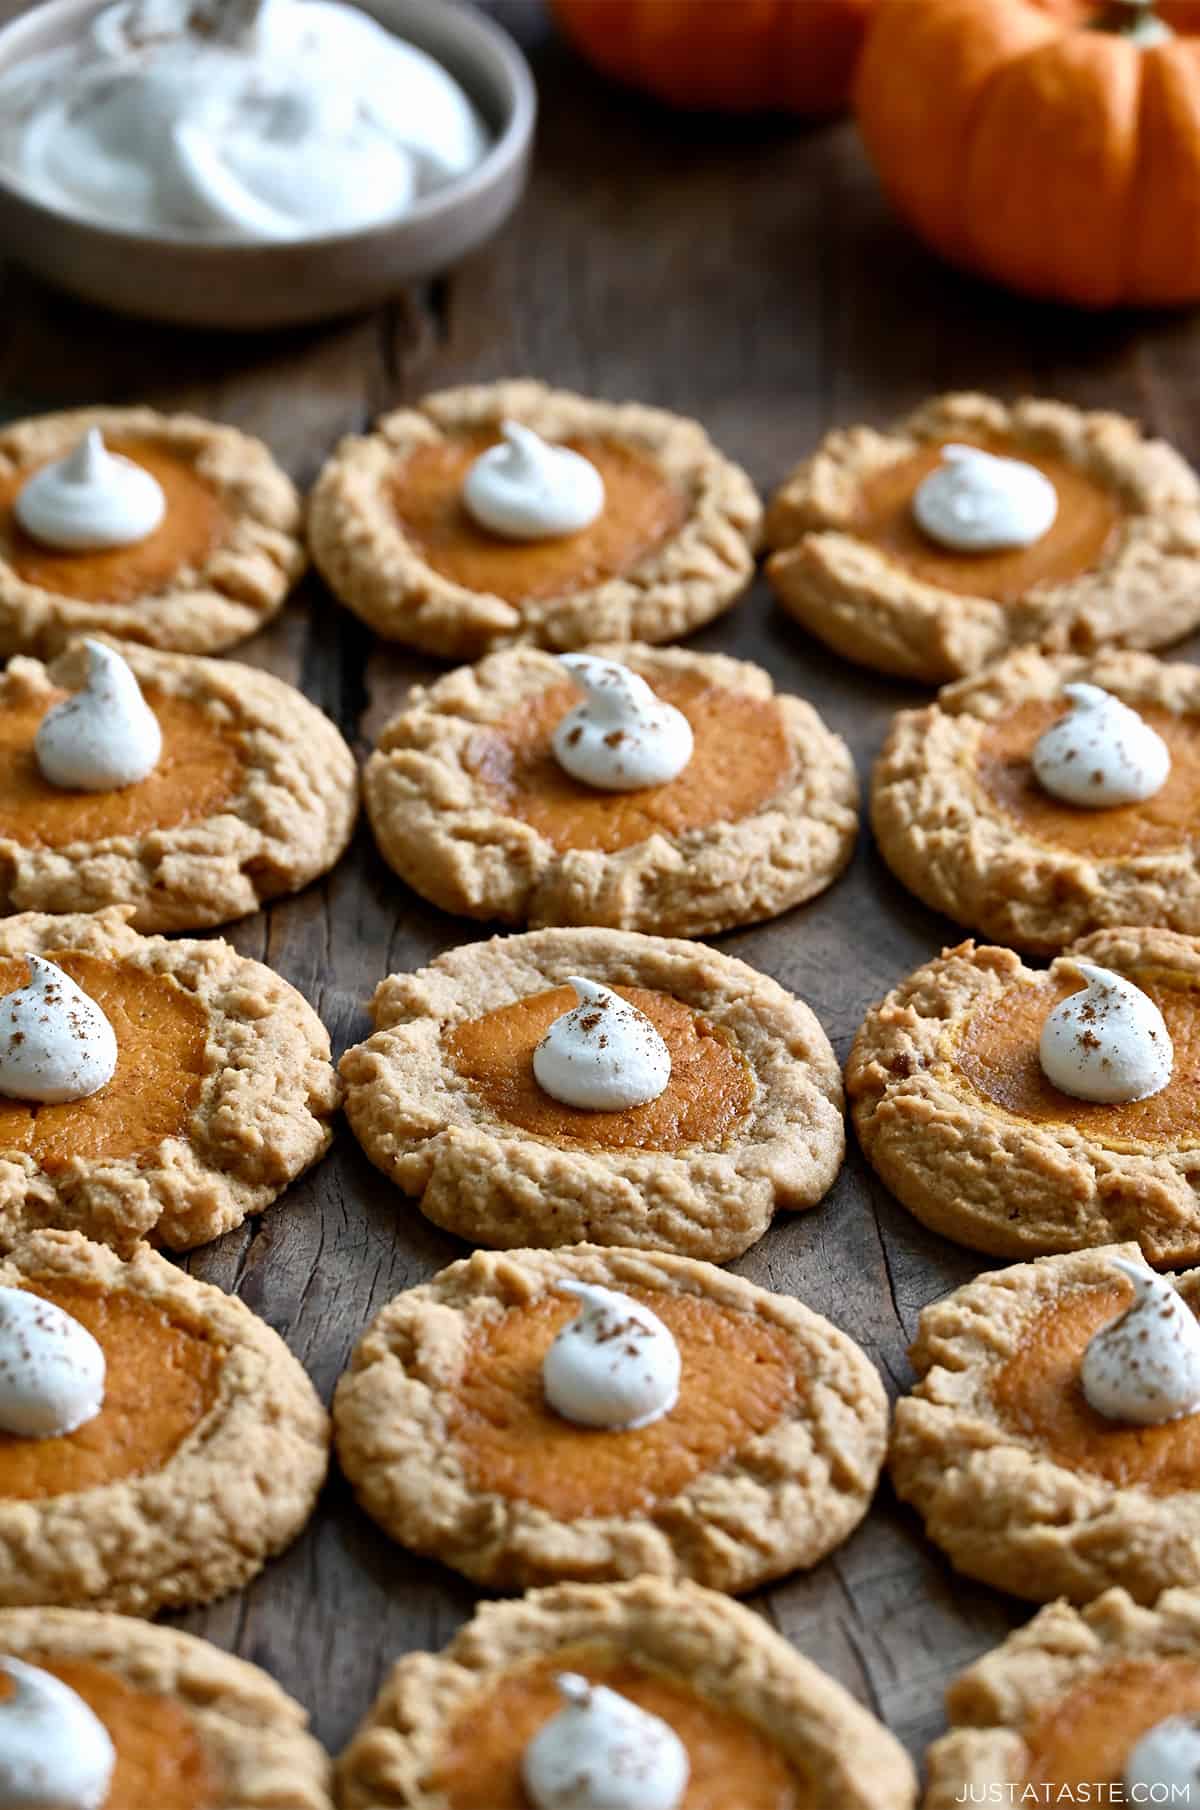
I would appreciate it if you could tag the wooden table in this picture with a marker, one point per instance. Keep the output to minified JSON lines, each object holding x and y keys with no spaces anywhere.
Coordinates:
{"x":747,"y":274}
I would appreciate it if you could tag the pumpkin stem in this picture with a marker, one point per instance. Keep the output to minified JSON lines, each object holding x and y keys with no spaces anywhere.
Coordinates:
{"x":1135,"y":20}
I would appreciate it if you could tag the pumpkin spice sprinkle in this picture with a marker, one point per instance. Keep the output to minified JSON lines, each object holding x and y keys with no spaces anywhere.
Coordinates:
{"x":1108,"y":1043}
{"x":622,"y":737}
{"x":1101,"y":753}
{"x":602,"y":1752}
{"x":615,"y":1365}
{"x":52,"y":1371}
{"x":603,"y":1055}
{"x":55,"y":1043}
{"x":1144,"y":1367}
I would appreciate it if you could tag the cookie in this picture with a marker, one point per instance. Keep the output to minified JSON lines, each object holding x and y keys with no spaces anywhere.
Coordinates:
{"x":444,"y":1098}
{"x":189,"y":1724}
{"x":766,"y":1460}
{"x":1118,"y":565}
{"x":220,"y":563}
{"x":746,"y":1705}
{"x":672,"y":546}
{"x":223,"y":1091}
{"x":151,"y":1503}
{"x":471,"y":807}
{"x":955,"y":1113}
{"x":254,"y":795}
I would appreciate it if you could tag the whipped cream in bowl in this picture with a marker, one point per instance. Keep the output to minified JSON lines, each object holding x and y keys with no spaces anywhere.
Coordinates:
{"x":245,"y":119}
{"x":182,"y":160}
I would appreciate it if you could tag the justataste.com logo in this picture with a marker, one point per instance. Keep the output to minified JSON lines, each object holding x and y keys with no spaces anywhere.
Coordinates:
{"x":1113,"y":1792}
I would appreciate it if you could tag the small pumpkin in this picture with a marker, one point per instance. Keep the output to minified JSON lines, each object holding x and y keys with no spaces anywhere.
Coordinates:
{"x":1054,"y":147}
{"x":735,"y":55}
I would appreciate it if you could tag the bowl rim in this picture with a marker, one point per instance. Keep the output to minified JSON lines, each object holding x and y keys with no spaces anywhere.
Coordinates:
{"x":509,"y":146}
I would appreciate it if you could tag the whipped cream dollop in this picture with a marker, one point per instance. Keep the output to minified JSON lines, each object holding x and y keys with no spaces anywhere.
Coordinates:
{"x":603,"y":1055}
{"x":55,"y":1042}
{"x":1163,"y":1767}
{"x":236,"y":119}
{"x":103,"y":736}
{"x":52,"y":1370}
{"x":1144,"y":1366}
{"x":601,"y":1752}
{"x":615,"y":1365}
{"x":90,"y":500}
{"x":622,"y":736}
{"x":978,"y":502}
{"x":1101,"y":752}
{"x":1108,"y":1042}
{"x":527,"y":488}
{"x":55,"y":1753}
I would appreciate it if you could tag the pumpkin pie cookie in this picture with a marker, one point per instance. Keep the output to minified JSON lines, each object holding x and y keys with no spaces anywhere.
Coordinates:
{"x":1059,"y":1712}
{"x":445,"y":1097}
{"x":672,"y":545}
{"x":955,"y":1112}
{"x":254,"y":794}
{"x":1019,"y":1478}
{"x":457,"y":1423}
{"x":192,"y":1728}
{"x":963,"y":820}
{"x":222,"y":558}
{"x":761,"y":1725}
{"x":203,"y":1454}
{"x":1119,"y":562}
{"x":471,"y":806}
{"x":222,"y":1094}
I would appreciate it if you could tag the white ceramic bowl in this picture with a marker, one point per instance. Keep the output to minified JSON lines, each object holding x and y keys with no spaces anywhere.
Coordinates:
{"x":239,"y":285}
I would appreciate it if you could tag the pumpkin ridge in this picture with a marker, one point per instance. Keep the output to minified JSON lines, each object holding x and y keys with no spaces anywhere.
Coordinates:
{"x":1072,"y":107}
{"x":1167,"y":270}
{"x":978,"y":257}
{"x":1130,"y":238}
{"x":960,"y":46}
{"x":1060,"y":157}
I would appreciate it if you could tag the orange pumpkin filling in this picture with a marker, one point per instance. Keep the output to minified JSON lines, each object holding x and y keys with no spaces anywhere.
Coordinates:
{"x":160,"y":1760}
{"x":199,"y":772}
{"x":739,"y":1379}
{"x":1084,"y":1739}
{"x":997,"y":1053}
{"x":1038,"y":1394}
{"x":161,"y":1034}
{"x":161,"y":1381}
{"x":1167,"y":821}
{"x":710,"y":1090}
{"x":732,"y":1764}
{"x":740,"y":760}
{"x":641,"y":511}
{"x":192,"y":527}
{"x":1087,"y":519}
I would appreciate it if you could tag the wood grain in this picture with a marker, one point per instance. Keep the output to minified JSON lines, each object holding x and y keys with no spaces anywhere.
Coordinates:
{"x":747,"y":274}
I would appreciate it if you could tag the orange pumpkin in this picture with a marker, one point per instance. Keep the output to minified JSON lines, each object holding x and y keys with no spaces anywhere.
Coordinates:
{"x":738,"y":55}
{"x":1054,"y":147}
